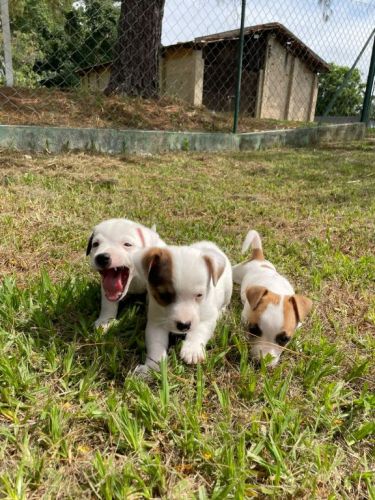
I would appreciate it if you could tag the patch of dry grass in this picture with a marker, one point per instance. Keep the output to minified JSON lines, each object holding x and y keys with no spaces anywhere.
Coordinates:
{"x":79,"y":109}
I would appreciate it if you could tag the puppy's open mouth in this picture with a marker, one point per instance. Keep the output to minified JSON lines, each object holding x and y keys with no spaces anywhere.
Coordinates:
{"x":115,"y":281}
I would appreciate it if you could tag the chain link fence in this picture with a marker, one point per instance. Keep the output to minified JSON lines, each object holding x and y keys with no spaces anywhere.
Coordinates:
{"x":172,"y":64}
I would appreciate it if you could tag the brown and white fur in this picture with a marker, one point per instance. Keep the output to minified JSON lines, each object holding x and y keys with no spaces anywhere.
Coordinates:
{"x":272,"y":311}
{"x":188,"y":288}
{"x":111,"y":247}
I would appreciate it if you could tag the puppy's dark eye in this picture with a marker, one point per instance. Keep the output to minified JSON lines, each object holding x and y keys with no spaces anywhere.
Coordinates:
{"x":282,"y":339}
{"x":95,"y":245}
{"x":128,"y":245}
{"x":199,"y":296}
{"x":255,"y":330}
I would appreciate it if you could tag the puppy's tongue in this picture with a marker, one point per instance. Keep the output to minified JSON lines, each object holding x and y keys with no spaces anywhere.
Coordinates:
{"x":114,"y":282}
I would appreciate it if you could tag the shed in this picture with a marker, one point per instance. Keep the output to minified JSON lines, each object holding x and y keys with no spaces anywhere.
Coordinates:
{"x":279,"y":77}
{"x":95,"y":77}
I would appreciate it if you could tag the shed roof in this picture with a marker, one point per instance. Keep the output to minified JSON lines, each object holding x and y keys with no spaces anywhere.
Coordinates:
{"x":286,"y":38}
{"x":95,"y":67}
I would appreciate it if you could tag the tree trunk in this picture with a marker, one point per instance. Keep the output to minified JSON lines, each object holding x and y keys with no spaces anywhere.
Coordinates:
{"x":135,"y":69}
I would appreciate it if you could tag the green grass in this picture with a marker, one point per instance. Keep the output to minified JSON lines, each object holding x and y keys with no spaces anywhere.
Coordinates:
{"x":73,"y":424}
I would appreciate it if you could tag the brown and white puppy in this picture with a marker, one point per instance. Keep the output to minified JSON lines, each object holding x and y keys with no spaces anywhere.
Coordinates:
{"x":111,"y":247}
{"x":188,"y":288}
{"x":272,"y":311}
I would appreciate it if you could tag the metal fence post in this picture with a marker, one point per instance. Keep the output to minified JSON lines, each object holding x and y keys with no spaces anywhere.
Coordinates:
{"x":7,"y":43}
{"x":239,"y":68}
{"x":365,"y":114}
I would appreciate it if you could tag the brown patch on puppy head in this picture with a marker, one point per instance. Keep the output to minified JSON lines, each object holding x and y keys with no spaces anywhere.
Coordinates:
{"x":259,"y":298}
{"x":302,"y":306}
{"x":290,"y":317}
{"x":260,"y":294}
{"x":215,"y":269}
{"x":296,"y":308}
{"x":158,"y":267}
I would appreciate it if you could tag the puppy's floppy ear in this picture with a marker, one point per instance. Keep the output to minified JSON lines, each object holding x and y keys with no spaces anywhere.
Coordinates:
{"x":89,"y":244}
{"x":150,"y":259}
{"x":255,"y":294}
{"x":215,"y":263}
{"x":156,"y":264}
{"x":302,"y":306}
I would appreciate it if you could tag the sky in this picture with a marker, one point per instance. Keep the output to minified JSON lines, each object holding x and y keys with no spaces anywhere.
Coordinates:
{"x":338,"y":39}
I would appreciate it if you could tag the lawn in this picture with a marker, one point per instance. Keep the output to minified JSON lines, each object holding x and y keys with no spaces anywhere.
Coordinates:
{"x":74,"y":424}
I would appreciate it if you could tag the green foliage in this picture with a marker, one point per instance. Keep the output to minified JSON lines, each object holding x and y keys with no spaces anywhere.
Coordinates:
{"x":52,"y":39}
{"x":85,"y":38}
{"x":41,"y":16}
{"x":349,"y":101}
{"x":25,"y":50}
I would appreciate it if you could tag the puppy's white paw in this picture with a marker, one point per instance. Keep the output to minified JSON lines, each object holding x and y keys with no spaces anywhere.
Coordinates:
{"x":142,"y":371}
{"x":192,"y":353}
{"x":103,"y":324}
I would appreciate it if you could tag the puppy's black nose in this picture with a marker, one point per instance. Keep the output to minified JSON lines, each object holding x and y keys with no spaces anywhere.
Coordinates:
{"x":183,"y":327}
{"x":103,"y":260}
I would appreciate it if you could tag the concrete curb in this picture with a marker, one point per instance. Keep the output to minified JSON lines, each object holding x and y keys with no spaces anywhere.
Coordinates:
{"x":56,"y":139}
{"x":303,"y":137}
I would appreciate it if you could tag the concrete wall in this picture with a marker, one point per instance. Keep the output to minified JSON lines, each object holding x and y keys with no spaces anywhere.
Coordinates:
{"x":304,"y":83}
{"x":313,"y":98}
{"x":259,"y":99}
{"x":55,"y":139}
{"x":289,"y":90}
{"x":275,"y":81}
{"x":182,"y":75}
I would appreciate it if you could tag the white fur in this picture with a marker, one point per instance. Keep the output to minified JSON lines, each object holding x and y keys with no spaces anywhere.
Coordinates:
{"x":190,"y":278}
{"x":111,"y":235}
{"x":263,"y":273}
{"x":253,"y":239}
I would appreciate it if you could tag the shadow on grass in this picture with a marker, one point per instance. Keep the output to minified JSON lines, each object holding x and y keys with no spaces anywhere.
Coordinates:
{"x":59,"y":318}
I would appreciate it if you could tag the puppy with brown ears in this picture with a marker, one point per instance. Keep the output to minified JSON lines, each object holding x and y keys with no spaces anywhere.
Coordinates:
{"x":272,"y":311}
{"x":188,"y":287}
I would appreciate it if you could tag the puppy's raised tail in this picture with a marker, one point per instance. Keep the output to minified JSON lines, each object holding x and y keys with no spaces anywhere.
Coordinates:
{"x":253,"y":239}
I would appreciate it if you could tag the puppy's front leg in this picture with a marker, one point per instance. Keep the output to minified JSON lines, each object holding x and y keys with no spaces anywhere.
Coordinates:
{"x":108,"y":312}
{"x":156,"y":348}
{"x":193,"y":349}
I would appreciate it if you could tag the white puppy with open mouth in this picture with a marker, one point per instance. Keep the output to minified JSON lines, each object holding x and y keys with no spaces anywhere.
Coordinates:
{"x":272,"y":311}
{"x":111,"y":247}
{"x":188,"y":288}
